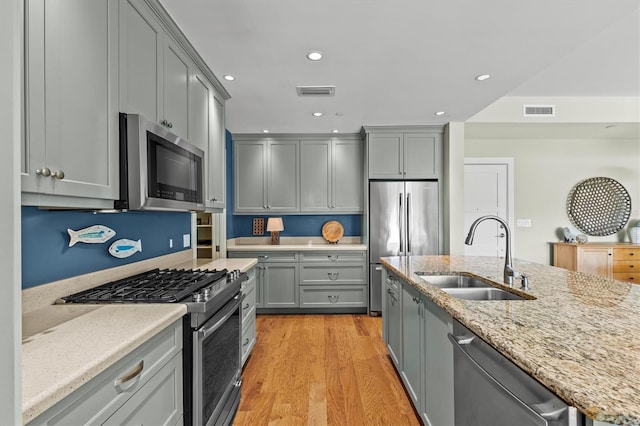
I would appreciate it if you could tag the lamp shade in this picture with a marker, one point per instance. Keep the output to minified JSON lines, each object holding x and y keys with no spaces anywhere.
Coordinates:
{"x":274,"y":224}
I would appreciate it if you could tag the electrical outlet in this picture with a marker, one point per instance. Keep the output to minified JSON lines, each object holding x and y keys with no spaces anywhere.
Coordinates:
{"x":186,"y":240}
{"x":523,"y":223}
{"x":170,"y":242}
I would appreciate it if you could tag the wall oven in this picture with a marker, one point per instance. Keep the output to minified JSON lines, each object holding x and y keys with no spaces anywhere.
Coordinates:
{"x":211,"y":332}
{"x":158,"y":170}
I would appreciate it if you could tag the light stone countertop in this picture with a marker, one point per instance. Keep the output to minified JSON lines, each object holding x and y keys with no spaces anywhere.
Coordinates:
{"x":229,"y":264}
{"x":294,"y":244}
{"x":79,"y":342}
{"x":580,"y":337}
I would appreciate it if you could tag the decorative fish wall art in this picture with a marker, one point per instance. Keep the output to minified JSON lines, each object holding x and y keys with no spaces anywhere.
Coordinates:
{"x":96,"y":234}
{"x":125,"y":248}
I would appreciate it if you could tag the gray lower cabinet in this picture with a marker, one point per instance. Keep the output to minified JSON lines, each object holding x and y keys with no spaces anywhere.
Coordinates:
{"x":144,"y":387}
{"x":415,"y":332}
{"x":70,"y":149}
{"x":248,"y":315}
{"x":392,"y":318}
{"x":320,"y":280}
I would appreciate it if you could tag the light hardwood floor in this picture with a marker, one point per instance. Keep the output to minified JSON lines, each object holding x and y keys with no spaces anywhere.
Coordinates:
{"x":321,"y":370}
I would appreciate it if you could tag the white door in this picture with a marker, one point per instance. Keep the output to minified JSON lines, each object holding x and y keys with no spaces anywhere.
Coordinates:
{"x":488,"y":190}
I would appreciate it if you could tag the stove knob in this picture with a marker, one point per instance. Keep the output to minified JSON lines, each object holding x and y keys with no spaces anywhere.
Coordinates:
{"x":206,"y":292}
{"x":197,"y":297}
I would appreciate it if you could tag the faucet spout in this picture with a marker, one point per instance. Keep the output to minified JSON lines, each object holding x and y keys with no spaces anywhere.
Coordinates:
{"x":509,"y":272}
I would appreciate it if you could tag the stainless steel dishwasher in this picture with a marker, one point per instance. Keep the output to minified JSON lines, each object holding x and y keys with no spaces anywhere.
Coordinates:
{"x":491,"y":390}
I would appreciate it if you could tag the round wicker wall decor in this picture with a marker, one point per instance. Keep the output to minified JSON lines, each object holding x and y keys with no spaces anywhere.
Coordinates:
{"x":599,"y":206}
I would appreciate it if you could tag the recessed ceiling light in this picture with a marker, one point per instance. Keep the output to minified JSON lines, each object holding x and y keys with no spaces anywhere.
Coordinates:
{"x":265,"y":131}
{"x":339,"y":114}
{"x":335,"y":130}
{"x":317,"y":114}
{"x":229,"y":77}
{"x":483,"y":77}
{"x":439,"y":113}
{"x":314,"y":56}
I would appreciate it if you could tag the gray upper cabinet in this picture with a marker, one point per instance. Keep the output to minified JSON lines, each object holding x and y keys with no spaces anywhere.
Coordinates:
{"x":71,"y":97}
{"x":315,"y":176}
{"x":154,"y":70}
{"x":206,"y":131}
{"x":266,"y":175}
{"x":396,"y":153}
{"x":299,"y":175}
{"x":347,"y":175}
{"x":216,"y":195}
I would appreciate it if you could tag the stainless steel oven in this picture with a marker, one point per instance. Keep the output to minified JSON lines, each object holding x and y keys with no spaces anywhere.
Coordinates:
{"x":211,"y":332}
{"x":215,"y":373}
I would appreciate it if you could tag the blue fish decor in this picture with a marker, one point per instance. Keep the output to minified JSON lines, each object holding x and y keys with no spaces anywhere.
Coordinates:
{"x":96,"y":234}
{"x":125,"y":248}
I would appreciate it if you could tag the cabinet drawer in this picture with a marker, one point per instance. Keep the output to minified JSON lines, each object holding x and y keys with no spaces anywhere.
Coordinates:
{"x":249,"y":302}
{"x":248,"y":338}
{"x":631,"y":277}
{"x":333,"y":274}
{"x":97,"y":400}
{"x":626,"y":254}
{"x":272,"y":256}
{"x":333,"y":256}
{"x":626,"y":266}
{"x":159,"y":402}
{"x":327,"y":296}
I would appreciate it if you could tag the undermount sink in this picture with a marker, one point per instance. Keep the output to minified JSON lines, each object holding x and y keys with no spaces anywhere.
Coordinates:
{"x":453,"y":281}
{"x":468,"y":288}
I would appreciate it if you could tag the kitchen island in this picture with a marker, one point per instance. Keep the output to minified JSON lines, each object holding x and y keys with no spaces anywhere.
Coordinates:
{"x":580,"y":336}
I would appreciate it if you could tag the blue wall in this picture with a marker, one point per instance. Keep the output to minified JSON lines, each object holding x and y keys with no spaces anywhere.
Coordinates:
{"x":294,"y":225}
{"x":46,"y":255}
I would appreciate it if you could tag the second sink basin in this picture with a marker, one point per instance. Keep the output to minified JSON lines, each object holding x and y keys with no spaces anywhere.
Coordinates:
{"x":479,"y":293}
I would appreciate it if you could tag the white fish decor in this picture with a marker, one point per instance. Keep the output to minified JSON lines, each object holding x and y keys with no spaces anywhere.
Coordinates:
{"x":96,"y":234}
{"x":125,"y":248}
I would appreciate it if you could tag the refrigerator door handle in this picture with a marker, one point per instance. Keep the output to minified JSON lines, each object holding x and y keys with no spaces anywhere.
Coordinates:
{"x":408,"y":207}
{"x":400,"y":222}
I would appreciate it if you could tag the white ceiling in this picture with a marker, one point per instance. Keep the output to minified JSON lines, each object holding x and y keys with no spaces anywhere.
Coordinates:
{"x":398,"y":62}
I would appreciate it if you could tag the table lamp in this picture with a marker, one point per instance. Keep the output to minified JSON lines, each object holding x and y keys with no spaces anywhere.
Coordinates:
{"x":275,"y":225}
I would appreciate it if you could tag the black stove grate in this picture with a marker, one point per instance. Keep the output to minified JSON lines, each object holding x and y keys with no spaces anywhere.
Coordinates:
{"x":156,"y":286}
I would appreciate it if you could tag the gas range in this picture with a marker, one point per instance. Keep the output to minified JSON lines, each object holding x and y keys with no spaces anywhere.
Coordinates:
{"x":203,"y":291}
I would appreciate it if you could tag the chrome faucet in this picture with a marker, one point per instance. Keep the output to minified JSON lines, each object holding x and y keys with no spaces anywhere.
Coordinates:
{"x":509,"y":272}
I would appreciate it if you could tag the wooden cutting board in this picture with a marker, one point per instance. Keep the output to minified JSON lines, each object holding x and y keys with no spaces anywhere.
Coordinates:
{"x":332,"y":231}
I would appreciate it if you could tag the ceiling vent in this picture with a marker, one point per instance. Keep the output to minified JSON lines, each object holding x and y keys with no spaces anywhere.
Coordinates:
{"x":539,"y":110}
{"x":316,"y":90}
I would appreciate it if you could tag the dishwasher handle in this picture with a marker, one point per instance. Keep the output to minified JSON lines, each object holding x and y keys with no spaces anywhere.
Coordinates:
{"x":459,"y":342}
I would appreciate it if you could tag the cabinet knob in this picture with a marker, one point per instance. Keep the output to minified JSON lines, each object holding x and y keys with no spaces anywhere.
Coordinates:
{"x":164,"y":122}
{"x":213,"y":199}
{"x":43,"y":172}
{"x":57,"y":174}
{"x":170,"y":125}
{"x":246,"y":342}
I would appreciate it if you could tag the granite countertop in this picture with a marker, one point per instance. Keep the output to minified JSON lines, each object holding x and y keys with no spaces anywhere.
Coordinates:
{"x":229,"y":264}
{"x":580,"y":337}
{"x":294,"y":244}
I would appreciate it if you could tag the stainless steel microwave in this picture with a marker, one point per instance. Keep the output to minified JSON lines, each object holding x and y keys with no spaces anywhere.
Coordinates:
{"x":158,"y":170}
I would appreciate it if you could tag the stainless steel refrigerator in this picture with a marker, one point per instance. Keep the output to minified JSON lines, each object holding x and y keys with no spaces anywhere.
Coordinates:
{"x":403,"y":220}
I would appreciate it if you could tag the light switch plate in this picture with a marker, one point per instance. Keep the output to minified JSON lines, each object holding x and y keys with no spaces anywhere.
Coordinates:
{"x":186,"y":240}
{"x":170,"y":242}
{"x":523,"y":223}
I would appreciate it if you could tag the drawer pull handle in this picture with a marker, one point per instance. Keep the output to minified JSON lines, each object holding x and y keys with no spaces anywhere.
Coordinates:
{"x":246,"y":306}
{"x":263,"y":257}
{"x":130,"y":375}
{"x":333,"y":275}
{"x":333,"y":299}
{"x":631,"y":254}
{"x":332,"y":258}
{"x":246,"y":342}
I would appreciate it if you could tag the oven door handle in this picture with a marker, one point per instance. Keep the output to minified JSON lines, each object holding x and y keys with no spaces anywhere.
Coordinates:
{"x":207,"y":331}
